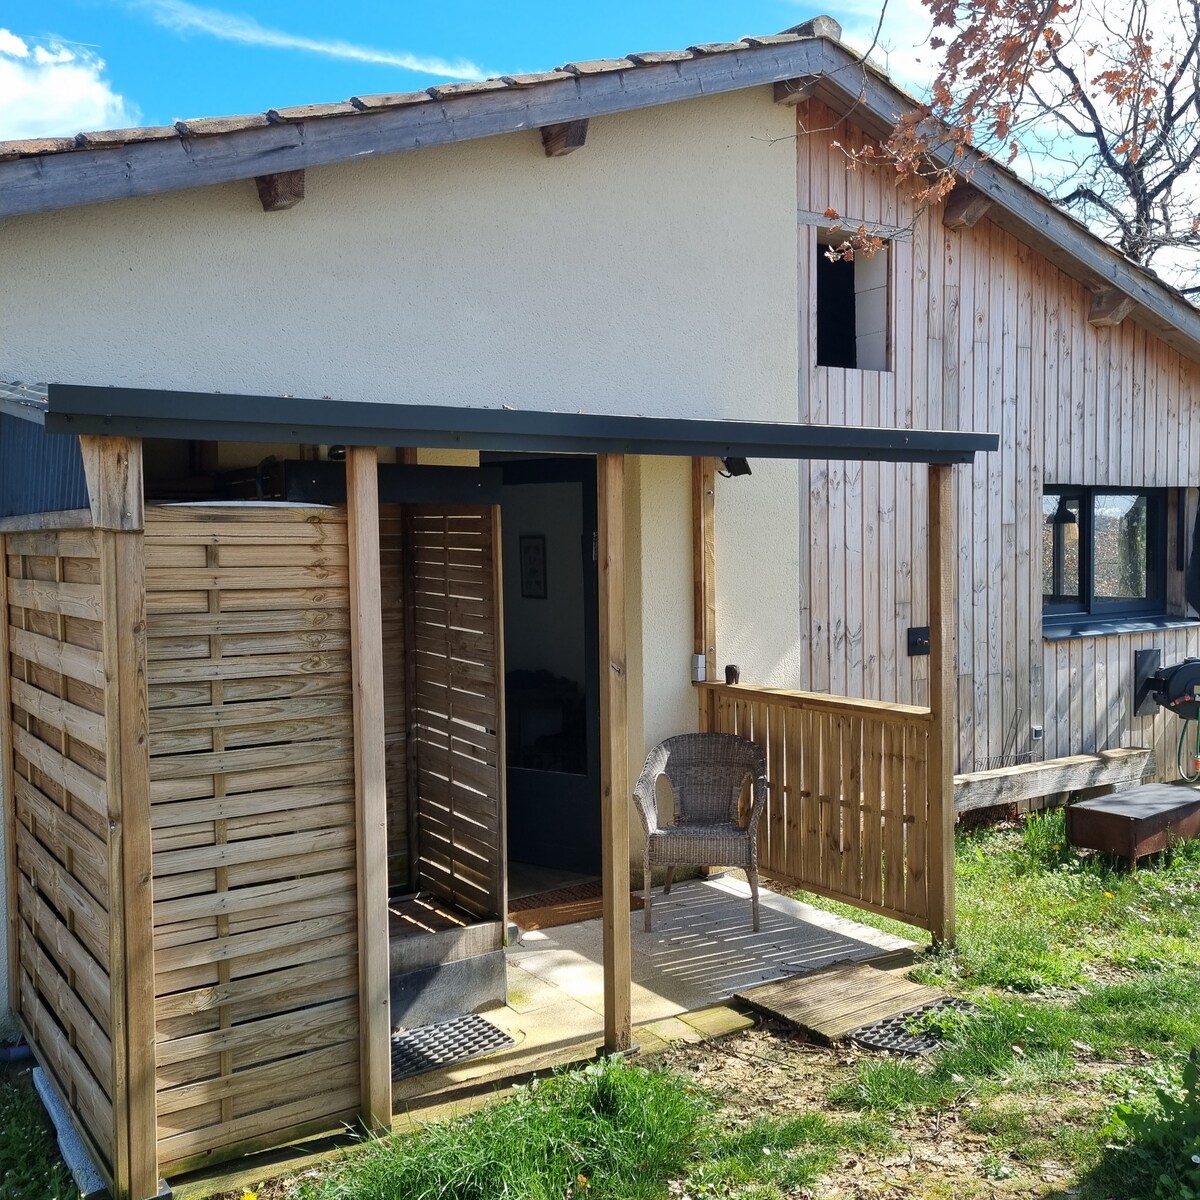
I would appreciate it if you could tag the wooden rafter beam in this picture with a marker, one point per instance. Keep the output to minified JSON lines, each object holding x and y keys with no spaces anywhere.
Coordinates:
{"x":1110,"y":307}
{"x":564,"y":138}
{"x":965,"y":207}
{"x":795,"y":91}
{"x":283,"y":190}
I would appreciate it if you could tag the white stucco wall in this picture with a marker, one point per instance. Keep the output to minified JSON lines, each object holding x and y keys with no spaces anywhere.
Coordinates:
{"x":652,"y":272}
{"x":758,"y":573}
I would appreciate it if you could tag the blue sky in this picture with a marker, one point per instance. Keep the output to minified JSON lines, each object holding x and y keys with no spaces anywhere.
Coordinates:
{"x":67,"y":65}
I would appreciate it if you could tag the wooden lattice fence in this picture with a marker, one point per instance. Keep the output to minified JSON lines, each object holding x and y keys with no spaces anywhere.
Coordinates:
{"x":252,"y":810}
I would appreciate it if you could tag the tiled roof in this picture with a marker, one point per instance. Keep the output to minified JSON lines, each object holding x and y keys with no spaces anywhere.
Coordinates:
{"x":208,"y":126}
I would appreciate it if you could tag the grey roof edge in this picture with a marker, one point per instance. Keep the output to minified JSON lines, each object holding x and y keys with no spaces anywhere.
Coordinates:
{"x":25,"y":400}
{"x":69,"y":174}
{"x":151,"y":413}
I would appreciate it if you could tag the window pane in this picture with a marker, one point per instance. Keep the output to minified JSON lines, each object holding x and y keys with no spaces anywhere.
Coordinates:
{"x":1061,"y":513}
{"x":1121,"y":534}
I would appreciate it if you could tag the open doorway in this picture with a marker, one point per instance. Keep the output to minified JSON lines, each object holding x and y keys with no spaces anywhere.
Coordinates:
{"x":551,"y":674}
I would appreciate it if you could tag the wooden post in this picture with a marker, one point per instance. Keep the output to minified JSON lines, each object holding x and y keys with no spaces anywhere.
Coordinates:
{"x":114,"y":476}
{"x":112,"y":467}
{"x":614,"y":751}
{"x":6,"y":787}
{"x":942,"y":737}
{"x":370,"y":785}
{"x":501,"y":732}
{"x":704,"y":574}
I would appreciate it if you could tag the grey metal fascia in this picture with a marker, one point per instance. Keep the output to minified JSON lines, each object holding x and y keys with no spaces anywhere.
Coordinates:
{"x":149,"y":413}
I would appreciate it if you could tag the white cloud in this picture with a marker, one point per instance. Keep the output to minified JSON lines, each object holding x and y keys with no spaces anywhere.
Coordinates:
{"x":55,"y":91}
{"x":181,"y":17}
{"x":902,"y":45}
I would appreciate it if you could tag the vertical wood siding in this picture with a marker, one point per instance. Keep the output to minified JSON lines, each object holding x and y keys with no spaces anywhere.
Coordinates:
{"x":58,"y":812}
{"x":252,"y":809}
{"x":986,"y":335}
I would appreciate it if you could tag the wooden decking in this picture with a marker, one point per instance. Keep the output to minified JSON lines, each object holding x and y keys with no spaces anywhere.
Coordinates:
{"x":833,"y":1002}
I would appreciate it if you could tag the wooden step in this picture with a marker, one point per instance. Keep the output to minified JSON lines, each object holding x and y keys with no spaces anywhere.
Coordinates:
{"x":834,"y":1002}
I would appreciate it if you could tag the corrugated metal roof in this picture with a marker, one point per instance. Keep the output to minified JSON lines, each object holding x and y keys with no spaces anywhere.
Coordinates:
{"x":24,"y":400}
{"x":39,"y":471}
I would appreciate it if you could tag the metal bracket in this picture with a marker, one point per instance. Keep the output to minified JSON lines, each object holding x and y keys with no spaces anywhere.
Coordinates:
{"x":1145,"y":664}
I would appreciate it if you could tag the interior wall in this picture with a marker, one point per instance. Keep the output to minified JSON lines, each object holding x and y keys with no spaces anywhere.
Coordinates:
{"x":544,"y":634}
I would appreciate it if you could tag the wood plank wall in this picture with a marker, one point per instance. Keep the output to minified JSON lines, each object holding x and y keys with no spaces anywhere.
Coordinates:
{"x":252,"y":809}
{"x":58,"y":812}
{"x":986,"y":335}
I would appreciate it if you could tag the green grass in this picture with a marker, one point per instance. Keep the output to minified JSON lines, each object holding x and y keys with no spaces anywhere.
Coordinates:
{"x":1035,"y":915}
{"x":1071,"y":960}
{"x":1086,"y":987}
{"x":610,"y":1129}
{"x":30,"y":1167}
{"x":770,"y":1158}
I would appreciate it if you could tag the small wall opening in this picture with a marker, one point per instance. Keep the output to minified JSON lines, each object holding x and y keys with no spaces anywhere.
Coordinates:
{"x":852,"y":307}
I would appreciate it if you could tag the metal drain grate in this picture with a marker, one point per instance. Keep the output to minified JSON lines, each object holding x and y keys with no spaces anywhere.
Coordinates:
{"x":433,"y":1046}
{"x":895,"y":1033}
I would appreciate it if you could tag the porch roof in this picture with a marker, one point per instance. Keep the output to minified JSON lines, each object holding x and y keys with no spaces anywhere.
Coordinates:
{"x":153,"y":413}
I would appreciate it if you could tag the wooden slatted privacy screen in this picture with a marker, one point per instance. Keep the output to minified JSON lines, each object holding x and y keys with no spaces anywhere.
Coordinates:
{"x":849,"y":812}
{"x":252,"y":810}
{"x":395,"y":687}
{"x":58,"y":821}
{"x":457,"y":669}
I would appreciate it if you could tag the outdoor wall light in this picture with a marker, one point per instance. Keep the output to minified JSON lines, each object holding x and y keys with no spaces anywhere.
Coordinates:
{"x":735,"y":467}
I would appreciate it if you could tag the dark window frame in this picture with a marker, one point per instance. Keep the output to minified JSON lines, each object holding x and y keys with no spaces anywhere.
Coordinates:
{"x":1090,"y":608}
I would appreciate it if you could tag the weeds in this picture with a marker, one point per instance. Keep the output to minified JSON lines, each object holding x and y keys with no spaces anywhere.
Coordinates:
{"x":30,"y":1167}
{"x":1157,"y":1150}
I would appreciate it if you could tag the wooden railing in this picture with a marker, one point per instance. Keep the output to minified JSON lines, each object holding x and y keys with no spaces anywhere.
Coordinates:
{"x":854,"y":804}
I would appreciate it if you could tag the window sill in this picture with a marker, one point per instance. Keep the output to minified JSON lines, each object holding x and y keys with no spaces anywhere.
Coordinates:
{"x":1088,"y":627}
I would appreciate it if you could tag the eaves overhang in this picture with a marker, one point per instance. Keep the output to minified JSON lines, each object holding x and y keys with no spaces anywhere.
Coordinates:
{"x":200,"y":416}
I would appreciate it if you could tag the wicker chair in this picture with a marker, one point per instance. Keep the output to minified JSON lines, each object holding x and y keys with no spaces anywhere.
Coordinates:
{"x":706,"y":772}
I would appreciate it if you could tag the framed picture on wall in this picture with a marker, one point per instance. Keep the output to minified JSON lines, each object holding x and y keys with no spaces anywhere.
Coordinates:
{"x":533,"y":566}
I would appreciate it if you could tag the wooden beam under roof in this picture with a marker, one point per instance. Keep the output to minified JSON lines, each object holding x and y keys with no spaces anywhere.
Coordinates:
{"x":1110,"y":307}
{"x":794,"y":91}
{"x":281,"y":190}
{"x":564,"y":137}
{"x":965,"y":207}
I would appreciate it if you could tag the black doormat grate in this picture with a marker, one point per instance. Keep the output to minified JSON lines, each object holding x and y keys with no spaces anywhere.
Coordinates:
{"x":433,"y":1046}
{"x":895,"y":1034}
